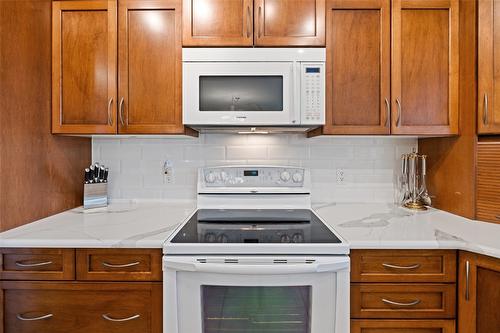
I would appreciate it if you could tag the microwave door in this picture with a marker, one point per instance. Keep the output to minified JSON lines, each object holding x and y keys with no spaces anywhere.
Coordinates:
{"x":239,"y":93}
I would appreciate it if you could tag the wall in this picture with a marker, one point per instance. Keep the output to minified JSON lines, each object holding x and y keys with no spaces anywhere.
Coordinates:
{"x":369,"y":164}
{"x":40,"y":174}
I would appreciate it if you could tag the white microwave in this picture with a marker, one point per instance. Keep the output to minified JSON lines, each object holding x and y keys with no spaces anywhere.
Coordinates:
{"x":265,"y":87}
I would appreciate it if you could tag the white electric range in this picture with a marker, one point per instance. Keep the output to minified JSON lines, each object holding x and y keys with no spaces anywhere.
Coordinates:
{"x":254,"y":257}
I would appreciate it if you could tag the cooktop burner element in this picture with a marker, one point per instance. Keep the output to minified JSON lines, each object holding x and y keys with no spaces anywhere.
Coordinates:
{"x":255,"y":226}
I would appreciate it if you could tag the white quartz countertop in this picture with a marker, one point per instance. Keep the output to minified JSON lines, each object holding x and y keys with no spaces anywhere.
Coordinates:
{"x":136,"y":224}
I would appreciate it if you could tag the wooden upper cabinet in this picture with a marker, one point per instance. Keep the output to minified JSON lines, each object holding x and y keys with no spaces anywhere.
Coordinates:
{"x":150,"y":67}
{"x":84,"y":67}
{"x":425,"y":67}
{"x":358,"y":67}
{"x":217,"y":23}
{"x":289,"y":23}
{"x":489,"y":67}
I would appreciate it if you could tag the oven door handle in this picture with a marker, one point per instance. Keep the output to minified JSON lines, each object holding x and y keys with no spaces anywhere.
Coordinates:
{"x":264,"y":269}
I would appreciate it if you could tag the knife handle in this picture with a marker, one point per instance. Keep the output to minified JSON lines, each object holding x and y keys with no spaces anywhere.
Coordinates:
{"x":105,"y":176}
{"x":87,"y":175}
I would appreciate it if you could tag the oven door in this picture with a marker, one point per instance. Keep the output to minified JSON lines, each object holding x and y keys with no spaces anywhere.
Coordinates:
{"x":240,"y":93}
{"x":256,"y":294}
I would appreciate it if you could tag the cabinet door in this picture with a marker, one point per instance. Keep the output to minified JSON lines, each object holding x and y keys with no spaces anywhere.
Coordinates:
{"x":358,"y":73}
{"x":478,"y":293}
{"x":150,"y":71}
{"x":84,"y":67}
{"x":217,"y":23}
{"x":488,"y":182}
{"x":489,"y":67}
{"x":289,"y":23}
{"x":425,"y":67}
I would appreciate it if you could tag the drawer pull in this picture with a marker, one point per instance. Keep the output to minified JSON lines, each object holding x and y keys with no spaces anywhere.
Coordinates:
{"x":400,"y":267}
{"x":415,"y":302}
{"x":122,"y":265}
{"x":21,"y":317}
{"x":36,"y":264}
{"x":107,"y":317}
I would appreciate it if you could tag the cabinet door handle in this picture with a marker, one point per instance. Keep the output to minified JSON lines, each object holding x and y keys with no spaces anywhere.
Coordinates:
{"x":23,"y":318}
{"x":415,"y":302}
{"x":121,"y":111}
{"x":35,"y":264}
{"x":107,"y":317}
{"x":485,"y":111}
{"x":400,"y":267}
{"x":398,"y":121}
{"x":121,"y":265}
{"x":249,"y":27}
{"x":260,"y":21}
{"x":388,"y":112}
{"x":467,"y":275}
{"x":110,"y":117}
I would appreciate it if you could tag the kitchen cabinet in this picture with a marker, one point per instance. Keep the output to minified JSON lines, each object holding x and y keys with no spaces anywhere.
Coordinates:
{"x":478,"y":293}
{"x":488,"y":181}
{"x":87,"y":98}
{"x":425,"y":67}
{"x":402,"y":326}
{"x":358,"y":67}
{"x":253,"y":22}
{"x":488,"y":67}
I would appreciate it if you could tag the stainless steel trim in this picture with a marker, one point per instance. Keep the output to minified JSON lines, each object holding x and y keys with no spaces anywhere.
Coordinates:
{"x":398,"y":121}
{"x":415,"y":302}
{"x":107,"y":317}
{"x":388,"y":111}
{"x":110,"y":118}
{"x":21,"y":317}
{"x":400,"y":267}
{"x":260,"y":21}
{"x":120,"y":107}
{"x":249,"y":27}
{"x":37,"y":264}
{"x":467,"y":275}
{"x":485,"y":111}
{"x":121,"y":265}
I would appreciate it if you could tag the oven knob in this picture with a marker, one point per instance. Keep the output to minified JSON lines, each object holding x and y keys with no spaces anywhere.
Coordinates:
{"x":210,"y":237}
{"x":285,"y":238}
{"x":297,"y":238}
{"x":222,"y":238}
{"x":285,"y":176}
{"x":210,"y":177}
{"x":297,"y":177}
{"x":223,"y":176}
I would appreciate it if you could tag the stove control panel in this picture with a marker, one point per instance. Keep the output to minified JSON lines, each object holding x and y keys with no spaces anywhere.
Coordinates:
{"x":253,"y":176}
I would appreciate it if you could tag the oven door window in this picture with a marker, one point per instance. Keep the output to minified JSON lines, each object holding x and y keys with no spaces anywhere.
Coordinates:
{"x":256,"y":309}
{"x":241,"y":93}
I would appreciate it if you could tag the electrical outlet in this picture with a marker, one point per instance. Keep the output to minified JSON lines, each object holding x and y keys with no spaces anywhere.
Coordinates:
{"x":340,"y":176}
{"x":168,"y":172}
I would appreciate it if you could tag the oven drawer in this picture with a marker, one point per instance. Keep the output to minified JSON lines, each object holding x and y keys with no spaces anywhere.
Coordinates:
{"x":403,"y":266}
{"x":400,"y":326}
{"x":403,"y":300}
{"x":33,"y":307}
{"x":119,"y":264}
{"x":37,"y":264}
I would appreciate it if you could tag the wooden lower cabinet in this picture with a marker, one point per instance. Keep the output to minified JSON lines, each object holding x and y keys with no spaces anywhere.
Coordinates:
{"x":75,"y":307}
{"x":402,"y":326}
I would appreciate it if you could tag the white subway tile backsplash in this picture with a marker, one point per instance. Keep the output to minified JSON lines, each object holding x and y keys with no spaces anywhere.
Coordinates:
{"x":369,"y":164}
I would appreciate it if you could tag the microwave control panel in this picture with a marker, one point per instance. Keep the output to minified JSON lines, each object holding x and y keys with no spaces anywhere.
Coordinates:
{"x":312,"y":93}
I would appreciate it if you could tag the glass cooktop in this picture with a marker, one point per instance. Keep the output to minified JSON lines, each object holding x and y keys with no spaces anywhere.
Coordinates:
{"x":255,"y":226}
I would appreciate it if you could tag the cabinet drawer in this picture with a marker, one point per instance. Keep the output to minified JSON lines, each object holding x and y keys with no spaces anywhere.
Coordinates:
{"x":82,"y":307}
{"x":402,"y":300}
{"x":37,"y":264}
{"x":403,"y":266}
{"x":402,"y":326}
{"x":119,"y":264}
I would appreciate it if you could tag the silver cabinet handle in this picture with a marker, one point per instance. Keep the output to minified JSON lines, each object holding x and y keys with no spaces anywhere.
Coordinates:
{"x":121,"y":265}
{"x":260,"y":21}
{"x":398,"y":121}
{"x":249,"y":27}
{"x":467,"y":273}
{"x":120,"y":107}
{"x":415,"y":302}
{"x":36,"y":264}
{"x":388,"y":111}
{"x":110,"y":117}
{"x":107,"y":317}
{"x":23,"y":318}
{"x":400,"y":267}
{"x":485,"y":111}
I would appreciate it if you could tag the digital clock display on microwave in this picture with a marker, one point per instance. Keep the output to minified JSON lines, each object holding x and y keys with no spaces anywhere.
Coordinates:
{"x":312,"y":70}
{"x":250,"y":173}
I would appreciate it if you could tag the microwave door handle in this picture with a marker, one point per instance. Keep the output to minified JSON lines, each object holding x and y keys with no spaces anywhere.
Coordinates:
{"x":296,"y":97}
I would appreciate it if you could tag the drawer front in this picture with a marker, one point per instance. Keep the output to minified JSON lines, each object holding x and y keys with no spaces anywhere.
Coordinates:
{"x":119,"y":264}
{"x":82,"y":307}
{"x":402,"y":301}
{"x":403,"y":266}
{"x":37,"y":264}
{"x":402,"y":326}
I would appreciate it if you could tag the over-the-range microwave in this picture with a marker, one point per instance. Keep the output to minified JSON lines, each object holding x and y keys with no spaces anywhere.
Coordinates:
{"x":265,"y":88}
